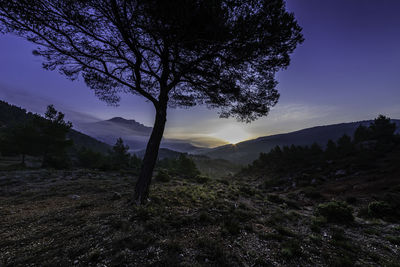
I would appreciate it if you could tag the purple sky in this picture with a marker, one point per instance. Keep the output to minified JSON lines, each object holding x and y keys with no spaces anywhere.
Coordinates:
{"x":348,"y":69}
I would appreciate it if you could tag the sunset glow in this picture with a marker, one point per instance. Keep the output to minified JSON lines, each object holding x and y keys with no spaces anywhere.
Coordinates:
{"x":233,"y":134}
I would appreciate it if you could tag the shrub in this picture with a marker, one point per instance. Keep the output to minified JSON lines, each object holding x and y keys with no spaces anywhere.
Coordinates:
{"x":316,"y":224}
{"x":342,"y":261}
{"x":202,"y":179}
{"x":311,"y":192}
{"x":291,"y":249}
{"x":336,"y":212}
{"x":163,"y":176}
{"x":395,"y":240}
{"x":204,"y":217}
{"x":379,"y":209}
{"x":275,"y":199}
{"x":88,"y":158}
{"x":351,"y":200}
{"x":231,"y":225}
{"x":247,"y":191}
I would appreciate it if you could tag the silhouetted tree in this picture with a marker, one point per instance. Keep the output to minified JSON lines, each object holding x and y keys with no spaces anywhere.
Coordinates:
{"x":222,"y":53}
{"x":119,"y":155}
{"x":54,"y":140}
{"x":316,"y":149}
{"x":344,"y":145}
{"x":382,"y":129}
{"x":331,"y":150}
{"x":362,"y":134}
{"x":24,"y":139}
{"x":186,"y":166}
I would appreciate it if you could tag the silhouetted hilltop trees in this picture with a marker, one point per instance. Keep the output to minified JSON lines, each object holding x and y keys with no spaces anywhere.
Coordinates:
{"x":47,"y":138}
{"x":28,"y":134}
{"x":367,"y":146}
{"x":11,"y":115}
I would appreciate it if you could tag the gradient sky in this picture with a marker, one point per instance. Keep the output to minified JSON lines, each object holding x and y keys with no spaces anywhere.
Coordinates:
{"x":348,"y":69}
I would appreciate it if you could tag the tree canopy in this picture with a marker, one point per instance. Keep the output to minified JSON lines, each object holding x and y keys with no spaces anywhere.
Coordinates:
{"x":221,"y":53}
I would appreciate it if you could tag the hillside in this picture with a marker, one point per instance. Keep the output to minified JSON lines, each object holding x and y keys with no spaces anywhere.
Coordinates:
{"x":162,"y":153}
{"x":247,"y":151}
{"x":11,"y":115}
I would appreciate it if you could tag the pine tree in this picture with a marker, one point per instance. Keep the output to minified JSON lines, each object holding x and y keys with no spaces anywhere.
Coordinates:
{"x":54,"y":140}
{"x":119,"y":155}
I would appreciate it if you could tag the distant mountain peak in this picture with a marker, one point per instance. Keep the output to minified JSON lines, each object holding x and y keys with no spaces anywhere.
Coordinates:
{"x":121,"y":120}
{"x":117,"y":119}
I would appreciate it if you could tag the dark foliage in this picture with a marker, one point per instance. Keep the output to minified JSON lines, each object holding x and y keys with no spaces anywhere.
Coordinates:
{"x":224,"y":53}
{"x":29,"y":134}
{"x":336,"y":212}
{"x":116,"y":159}
{"x":368,"y":145}
{"x":119,"y":155}
{"x":21,"y":139}
{"x":182,"y":166}
{"x":90,"y":159}
{"x":53,"y":139}
{"x":12,"y":116}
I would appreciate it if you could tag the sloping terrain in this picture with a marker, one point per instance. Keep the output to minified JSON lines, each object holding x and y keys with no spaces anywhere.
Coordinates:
{"x":84,"y":218}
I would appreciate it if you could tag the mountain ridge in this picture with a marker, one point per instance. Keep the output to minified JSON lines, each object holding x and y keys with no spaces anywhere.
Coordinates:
{"x":247,"y":151}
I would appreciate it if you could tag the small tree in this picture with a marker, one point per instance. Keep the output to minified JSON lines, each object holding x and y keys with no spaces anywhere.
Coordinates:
{"x":54,"y":140}
{"x":362,"y":134}
{"x":331,"y":150}
{"x":344,"y":145}
{"x":382,"y":129}
{"x":186,"y":166}
{"x":24,"y":139}
{"x":119,"y":155}
{"x":222,"y":53}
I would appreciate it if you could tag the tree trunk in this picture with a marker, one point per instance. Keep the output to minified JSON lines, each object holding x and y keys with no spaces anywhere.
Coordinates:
{"x":150,"y":157}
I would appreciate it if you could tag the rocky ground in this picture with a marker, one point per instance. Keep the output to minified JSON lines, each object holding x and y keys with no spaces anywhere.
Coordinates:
{"x":83,"y":218}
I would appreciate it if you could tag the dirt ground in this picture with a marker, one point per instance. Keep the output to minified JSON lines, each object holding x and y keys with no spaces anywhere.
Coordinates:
{"x":83,"y":218}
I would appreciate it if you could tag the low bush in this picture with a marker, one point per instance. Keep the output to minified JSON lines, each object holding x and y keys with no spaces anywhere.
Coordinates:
{"x":380,"y":209}
{"x":335,"y":212}
{"x":163,"y":176}
{"x":275,"y":199}
{"x":311,"y":192}
{"x":202,"y":179}
{"x":317,"y":223}
{"x":291,"y":249}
